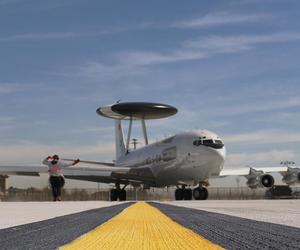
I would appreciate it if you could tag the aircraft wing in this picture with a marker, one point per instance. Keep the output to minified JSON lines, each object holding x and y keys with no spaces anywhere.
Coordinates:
{"x":123,"y":175}
{"x":87,"y":172}
{"x":109,"y":164}
{"x":243,"y":171}
{"x":23,"y":170}
{"x":95,"y":171}
{"x":262,"y":177}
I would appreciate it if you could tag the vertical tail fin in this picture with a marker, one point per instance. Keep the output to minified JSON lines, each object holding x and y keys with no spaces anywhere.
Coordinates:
{"x":120,"y":146}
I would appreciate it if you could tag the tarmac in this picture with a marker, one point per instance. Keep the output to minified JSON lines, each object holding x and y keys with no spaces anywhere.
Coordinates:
{"x":284,"y":212}
{"x":19,"y":213}
{"x":232,"y":232}
{"x":58,"y":231}
{"x":245,"y":224}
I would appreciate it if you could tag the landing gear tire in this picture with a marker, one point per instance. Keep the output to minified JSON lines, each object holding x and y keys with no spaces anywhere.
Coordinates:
{"x":179,"y":194}
{"x":122,"y":195}
{"x":187,"y":194}
{"x":114,"y":194}
{"x":200,"y":193}
{"x":183,"y":194}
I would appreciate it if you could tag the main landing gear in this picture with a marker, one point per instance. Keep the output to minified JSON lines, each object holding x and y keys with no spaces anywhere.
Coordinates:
{"x":199,"y":193}
{"x":118,"y":193}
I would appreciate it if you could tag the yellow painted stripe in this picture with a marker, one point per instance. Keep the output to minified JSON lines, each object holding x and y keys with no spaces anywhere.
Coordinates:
{"x":141,"y":226}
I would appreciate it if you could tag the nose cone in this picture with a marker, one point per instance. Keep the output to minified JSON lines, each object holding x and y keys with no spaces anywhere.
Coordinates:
{"x":222,"y":153}
{"x":217,"y":160}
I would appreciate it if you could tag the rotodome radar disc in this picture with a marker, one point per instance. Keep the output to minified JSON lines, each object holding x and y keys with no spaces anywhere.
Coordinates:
{"x":137,"y":110}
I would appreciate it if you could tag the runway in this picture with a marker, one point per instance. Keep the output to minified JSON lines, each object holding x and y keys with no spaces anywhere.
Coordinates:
{"x":19,"y":213}
{"x":55,"y":232}
{"x":285,"y":212}
{"x":153,"y":225}
{"x":233,"y":232}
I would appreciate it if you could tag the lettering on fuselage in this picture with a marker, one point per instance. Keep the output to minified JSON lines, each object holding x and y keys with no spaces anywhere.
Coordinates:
{"x":166,"y":155}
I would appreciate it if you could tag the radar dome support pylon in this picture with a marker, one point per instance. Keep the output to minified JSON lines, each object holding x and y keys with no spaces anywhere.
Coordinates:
{"x":136,"y":111}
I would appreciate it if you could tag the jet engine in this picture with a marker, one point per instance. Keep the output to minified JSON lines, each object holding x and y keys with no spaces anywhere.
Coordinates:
{"x":291,"y":176}
{"x":258,"y":179}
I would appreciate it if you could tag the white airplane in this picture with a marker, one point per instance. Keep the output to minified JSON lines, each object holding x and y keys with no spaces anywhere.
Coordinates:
{"x":184,"y":160}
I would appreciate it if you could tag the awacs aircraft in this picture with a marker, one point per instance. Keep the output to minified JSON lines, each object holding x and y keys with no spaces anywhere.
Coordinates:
{"x":184,"y":160}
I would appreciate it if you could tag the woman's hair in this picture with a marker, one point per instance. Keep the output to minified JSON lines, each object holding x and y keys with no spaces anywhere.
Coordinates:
{"x":55,"y":157}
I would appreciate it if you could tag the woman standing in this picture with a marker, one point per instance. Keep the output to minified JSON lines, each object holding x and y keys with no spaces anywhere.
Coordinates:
{"x":56,"y":177}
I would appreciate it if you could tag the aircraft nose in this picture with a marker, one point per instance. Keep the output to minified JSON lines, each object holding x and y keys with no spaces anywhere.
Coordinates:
{"x":219,"y":156}
{"x":222,"y":153}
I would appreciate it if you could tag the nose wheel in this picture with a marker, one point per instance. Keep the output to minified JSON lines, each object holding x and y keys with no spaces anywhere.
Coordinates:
{"x":200,"y":193}
{"x":118,"y":193}
{"x":183,"y":194}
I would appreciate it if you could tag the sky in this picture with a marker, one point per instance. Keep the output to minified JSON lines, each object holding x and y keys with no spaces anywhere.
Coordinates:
{"x":231,"y":67}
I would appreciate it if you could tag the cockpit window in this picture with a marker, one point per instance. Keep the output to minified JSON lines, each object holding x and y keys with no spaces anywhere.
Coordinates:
{"x":209,"y":143}
{"x":218,"y":142}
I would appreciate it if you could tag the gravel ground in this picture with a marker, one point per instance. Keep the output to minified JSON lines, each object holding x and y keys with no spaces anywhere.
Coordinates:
{"x":233,"y":232}
{"x":53,"y":233}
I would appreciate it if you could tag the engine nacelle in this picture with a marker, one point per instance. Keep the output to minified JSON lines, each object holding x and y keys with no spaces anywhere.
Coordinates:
{"x":257,"y":179}
{"x":291,"y":176}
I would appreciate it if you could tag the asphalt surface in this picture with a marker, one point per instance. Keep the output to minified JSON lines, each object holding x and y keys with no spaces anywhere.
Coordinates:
{"x":141,"y":227}
{"x":233,"y":232}
{"x":14,"y":214}
{"x":285,"y":212}
{"x":53,"y":233}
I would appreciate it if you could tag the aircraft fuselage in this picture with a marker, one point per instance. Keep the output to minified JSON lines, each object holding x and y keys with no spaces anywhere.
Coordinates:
{"x":189,"y":157}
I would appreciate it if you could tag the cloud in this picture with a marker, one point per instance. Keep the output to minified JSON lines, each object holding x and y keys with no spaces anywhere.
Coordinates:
{"x":219,"y":44}
{"x":91,"y":130}
{"x":8,"y":88}
{"x":204,"y":47}
{"x":220,"y":19}
{"x":215,"y":19}
{"x":71,"y":34}
{"x":41,"y":36}
{"x":137,"y":62}
{"x":263,"y":137}
{"x":98,"y":70}
{"x":30,"y":152}
{"x":258,"y":107}
{"x":268,"y":158}
{"x":7,"y":123}
{"x":144,"y":58}
{"x":4,"y":2}
{"x":7,"y":119}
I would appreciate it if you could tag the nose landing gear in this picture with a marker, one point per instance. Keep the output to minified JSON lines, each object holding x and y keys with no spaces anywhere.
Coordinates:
{"x":199,"y":193}
{"x":118,"y":193}
{"x":183,"y":193}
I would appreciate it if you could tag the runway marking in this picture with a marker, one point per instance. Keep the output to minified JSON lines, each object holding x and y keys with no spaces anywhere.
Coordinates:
{"x":233,"y":232}
{"x":52,"y":233}
{"x":141,"y":226}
